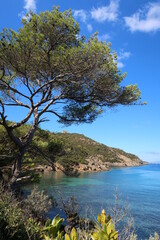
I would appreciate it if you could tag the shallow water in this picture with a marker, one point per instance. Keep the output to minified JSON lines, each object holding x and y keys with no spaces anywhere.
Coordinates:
{"x":139,"y":186}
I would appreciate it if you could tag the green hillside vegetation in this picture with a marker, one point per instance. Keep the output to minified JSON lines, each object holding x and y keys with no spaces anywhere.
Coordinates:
{"x":79,"y":147}
{"x":69,"y":150}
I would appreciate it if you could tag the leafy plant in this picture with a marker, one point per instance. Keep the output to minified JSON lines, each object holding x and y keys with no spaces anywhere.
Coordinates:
{"x":73,"y":235}
{"x":105,"y":230}
{"x":52,"y":229}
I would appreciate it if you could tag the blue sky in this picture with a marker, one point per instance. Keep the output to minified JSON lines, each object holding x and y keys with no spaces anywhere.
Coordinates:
{"x":133,"y":28}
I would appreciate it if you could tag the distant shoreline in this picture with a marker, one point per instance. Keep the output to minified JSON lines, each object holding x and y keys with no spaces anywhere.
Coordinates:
{"x":83,"y":168}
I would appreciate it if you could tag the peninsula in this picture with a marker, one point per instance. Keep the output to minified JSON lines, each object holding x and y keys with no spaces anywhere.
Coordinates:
{"x":71,"y":153}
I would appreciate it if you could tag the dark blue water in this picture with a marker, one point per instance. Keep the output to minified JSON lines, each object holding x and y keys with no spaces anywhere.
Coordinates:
{"x":139,"y":186}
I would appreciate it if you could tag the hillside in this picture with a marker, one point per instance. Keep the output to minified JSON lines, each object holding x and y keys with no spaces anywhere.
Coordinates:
{"x":85,"y":154}
{"x":70,"y":153}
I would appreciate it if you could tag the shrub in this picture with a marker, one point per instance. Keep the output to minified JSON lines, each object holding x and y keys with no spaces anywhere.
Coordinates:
{"x":15,"y":222}
{"x":38,"y":203}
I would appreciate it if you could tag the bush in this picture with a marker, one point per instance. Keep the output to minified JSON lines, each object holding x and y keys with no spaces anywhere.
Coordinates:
{"x":38,"y":203}
{"x":15,"y":222}
{"x":22,"y":219}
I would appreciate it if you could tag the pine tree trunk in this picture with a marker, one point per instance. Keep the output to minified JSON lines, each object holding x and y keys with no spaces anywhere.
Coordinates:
{"x":16,"y":169}
{"x":23,"y":146}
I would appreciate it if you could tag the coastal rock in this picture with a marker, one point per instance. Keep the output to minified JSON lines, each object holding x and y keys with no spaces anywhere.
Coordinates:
{"x":82,"y":154}
{"x":95,"y":164}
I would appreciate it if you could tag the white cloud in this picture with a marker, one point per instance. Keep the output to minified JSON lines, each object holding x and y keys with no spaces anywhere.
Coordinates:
{"x":81,"y":14}
{"x":147,"y":20}
{"x":104,"y":37}
{"x":120,"y":64}
{"x":30,"y":5}
{"x":89,"y":27}
{"x":109,"y":13}
{"x":122,"y":56}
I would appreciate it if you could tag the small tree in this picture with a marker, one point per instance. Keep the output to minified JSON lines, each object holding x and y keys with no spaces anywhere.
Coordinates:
{"x":46,"y":68}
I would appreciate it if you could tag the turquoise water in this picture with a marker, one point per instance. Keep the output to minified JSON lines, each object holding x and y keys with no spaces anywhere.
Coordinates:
{"x":139,"y":186}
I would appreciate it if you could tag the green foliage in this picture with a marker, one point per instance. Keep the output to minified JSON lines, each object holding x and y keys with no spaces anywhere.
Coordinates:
{"x":16,"y":221}
{"x":105,"y":230}
{"x":38,"y":202}
{"x":73,"y":235}
{"x":55,"y":146}
{"x":67,"y":149}
{"x":52,"y":229}
{"x":78,"y":148}
{"x":85,"y":72}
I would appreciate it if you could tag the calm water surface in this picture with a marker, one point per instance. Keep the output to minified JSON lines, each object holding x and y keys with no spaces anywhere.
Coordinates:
{"x":139,"y":186}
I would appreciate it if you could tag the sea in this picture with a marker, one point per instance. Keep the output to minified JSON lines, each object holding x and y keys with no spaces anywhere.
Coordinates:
{"x":134,"y":190}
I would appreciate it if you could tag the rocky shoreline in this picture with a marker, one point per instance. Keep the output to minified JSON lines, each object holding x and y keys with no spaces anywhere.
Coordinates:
{"x":95,"y":164}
